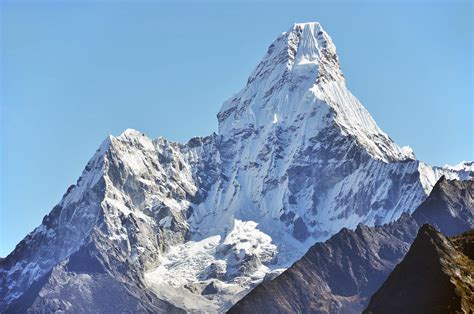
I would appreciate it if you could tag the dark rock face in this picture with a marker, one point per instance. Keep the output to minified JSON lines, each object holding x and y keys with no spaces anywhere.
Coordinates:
{"x":341,"y":274}
{"x":300,"y":231}
{"x":337,"y":276}
{"x":210,"y":289}
{"x":434,"y":277}
{"x":458,"y":197}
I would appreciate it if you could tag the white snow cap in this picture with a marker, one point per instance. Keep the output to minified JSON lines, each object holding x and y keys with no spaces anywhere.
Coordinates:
{"x":313,"y":38}
{"x":300,"y":79}
{"x":462,"y":166}
{"x":295,"y":61}
{"x":408,"y":151}
{"x":130,"y":133}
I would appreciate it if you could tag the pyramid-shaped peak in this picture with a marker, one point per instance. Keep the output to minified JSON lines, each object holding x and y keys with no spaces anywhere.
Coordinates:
{"x":302,"y":50}
{"x":300,"y":78}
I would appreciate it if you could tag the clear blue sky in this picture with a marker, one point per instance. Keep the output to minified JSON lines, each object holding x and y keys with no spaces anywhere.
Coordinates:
{"x":73,"y":73}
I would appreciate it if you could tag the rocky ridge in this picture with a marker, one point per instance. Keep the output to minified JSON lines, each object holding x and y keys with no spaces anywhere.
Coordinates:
{"x":434,"y":277}
{"x":341,"y":274}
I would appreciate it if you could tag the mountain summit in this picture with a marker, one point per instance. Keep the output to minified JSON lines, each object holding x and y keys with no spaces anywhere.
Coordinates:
{"x":300,"y":77}
{"x":169,"y":226}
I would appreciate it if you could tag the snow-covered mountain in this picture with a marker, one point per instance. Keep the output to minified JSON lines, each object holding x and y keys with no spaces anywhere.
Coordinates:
{"x":195,"y":225}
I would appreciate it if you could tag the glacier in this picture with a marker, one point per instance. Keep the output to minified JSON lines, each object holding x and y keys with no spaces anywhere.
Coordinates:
{"x":295,"y":159}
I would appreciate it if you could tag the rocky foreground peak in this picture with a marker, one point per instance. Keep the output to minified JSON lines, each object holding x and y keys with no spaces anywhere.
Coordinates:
{"x":434,"y":277}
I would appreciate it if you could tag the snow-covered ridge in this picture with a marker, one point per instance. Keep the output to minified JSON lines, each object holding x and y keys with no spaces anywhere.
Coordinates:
{"x":300,"y":77}
{"x":296,"y":159}
{"x":462,"y":166}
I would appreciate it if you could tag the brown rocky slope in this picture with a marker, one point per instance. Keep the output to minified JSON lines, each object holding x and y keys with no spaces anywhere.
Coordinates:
{"x":436,"y":276}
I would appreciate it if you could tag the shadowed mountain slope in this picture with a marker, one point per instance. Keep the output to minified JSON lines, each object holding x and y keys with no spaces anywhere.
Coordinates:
{"x":341,"y":274}
{"x":436,"y":276}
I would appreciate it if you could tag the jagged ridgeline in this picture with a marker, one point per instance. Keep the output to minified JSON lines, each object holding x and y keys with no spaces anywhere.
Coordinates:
{"x":153,"y":225}
{"x":343,"y":273}
{"x":434,"y":277}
